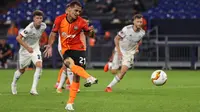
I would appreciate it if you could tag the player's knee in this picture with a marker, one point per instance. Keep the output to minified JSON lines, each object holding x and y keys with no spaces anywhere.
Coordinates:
{"x":22,"y":70}
{"x":38,"y":64}
{"x":114,"y":71}
{"x":68,"y":62}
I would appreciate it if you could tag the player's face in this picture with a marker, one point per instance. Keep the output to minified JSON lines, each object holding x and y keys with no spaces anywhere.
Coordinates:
{"x":38,"y":20}
{"x":138,"y":23}
{"x":75,"y":11}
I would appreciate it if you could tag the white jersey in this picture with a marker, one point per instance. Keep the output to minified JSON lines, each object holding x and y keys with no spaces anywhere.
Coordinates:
{"x":129,"y":39}
{"x":31,"y":36}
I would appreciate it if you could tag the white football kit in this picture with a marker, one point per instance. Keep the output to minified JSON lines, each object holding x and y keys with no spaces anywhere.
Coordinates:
{"x":128,"y":42}
{"x":31,"y":36}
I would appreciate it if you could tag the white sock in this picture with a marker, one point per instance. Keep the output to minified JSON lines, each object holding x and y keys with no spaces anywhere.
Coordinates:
{"x":114,"y":81}
{"x":62,"y":79}
{"x":70,"y":75}
{"x":36,"y":78}
{"x":17,"y":75}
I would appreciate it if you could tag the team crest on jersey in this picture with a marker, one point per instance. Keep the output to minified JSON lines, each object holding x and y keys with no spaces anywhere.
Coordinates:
{"x":75,"y":27}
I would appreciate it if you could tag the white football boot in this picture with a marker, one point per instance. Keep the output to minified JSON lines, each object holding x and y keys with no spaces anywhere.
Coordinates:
{"x":69,"y":107}
{"x":89,"y":81}
{"x":34,"y":92}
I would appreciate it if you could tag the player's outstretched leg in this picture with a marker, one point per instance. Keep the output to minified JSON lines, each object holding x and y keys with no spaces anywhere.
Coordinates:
{"x":36,"y":78}
{"x":80,"y":72}
{"x":117,"y":78}
{"x":59,"y":76}
{"x":16,"y":77}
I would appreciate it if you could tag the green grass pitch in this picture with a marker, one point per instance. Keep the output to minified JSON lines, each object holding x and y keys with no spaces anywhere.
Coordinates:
{"x":135,"y":93}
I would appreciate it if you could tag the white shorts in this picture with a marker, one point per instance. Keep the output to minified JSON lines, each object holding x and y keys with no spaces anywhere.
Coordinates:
{"x":127,"y":60}
{"x":26,"y":58}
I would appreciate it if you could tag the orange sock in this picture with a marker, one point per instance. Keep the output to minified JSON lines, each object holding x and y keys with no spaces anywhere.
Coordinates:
{"x":59,"y":75}
{"x":79,"y":71}
{"x":67,"y":81}
{"x":73,"y":91}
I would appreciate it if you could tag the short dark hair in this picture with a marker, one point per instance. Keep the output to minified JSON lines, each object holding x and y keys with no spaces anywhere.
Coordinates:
{"x":75,"y":2}
{"x":38,"y":13}
{"x":137,"y":16}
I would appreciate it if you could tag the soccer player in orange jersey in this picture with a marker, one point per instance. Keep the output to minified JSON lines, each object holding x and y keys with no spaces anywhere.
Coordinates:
{"x":69,"y":26}
{"x":69,"y":76}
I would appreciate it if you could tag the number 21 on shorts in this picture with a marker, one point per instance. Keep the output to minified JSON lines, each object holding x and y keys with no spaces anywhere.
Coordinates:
{"x":82,"y":60}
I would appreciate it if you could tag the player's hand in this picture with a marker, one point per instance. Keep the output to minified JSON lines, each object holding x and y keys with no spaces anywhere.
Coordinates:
{"x":48,"y":51}
{"x":30,"y":50}
{"x":137,"y":49}
{"x":91,"y":28}
{"x":91,"y":33}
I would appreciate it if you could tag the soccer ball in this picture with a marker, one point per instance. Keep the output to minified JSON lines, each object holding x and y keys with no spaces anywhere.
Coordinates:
{"x":159,"y":77}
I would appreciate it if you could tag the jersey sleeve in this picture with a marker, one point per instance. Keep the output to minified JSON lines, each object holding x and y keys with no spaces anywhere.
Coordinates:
{"x":122,"y":33}
{"x":26,"y":31}
{"x":85,"y":27}
{"x":56,"y":25}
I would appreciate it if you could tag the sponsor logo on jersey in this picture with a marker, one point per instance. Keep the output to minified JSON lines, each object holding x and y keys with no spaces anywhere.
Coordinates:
{"x":64,"y":34}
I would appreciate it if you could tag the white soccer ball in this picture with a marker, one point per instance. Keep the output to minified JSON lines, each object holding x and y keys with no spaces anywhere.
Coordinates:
{"x":159,"y":77}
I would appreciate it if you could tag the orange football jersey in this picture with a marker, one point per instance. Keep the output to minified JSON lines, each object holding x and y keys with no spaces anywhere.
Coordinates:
{"x":70,"y":33}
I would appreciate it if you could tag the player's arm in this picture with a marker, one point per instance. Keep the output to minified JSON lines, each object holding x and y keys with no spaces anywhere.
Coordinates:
{"x":121,"y":34}
{"x":23,"y":34}
{"x":8,"y":51}
{"x":88,"y":30}
{"x":48,"y":50}
{"x":52,"y":36}
{"x":139,"y":43}
{"x":137,"y":46}
{"x":116,"y":40}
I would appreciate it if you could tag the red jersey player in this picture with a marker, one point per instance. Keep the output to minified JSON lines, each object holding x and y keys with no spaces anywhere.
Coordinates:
{"x":69,"y":26}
